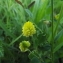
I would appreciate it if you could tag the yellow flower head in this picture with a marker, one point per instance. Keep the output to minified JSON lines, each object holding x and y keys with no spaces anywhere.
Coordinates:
{"x":28,"y":29}
{"x":24,"y":45}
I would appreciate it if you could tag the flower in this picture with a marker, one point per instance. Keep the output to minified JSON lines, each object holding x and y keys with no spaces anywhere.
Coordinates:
{"x":48,"y":23}
{"x":24,"y":45}
{"x":57,"y":16}
{"x":28,"y":29}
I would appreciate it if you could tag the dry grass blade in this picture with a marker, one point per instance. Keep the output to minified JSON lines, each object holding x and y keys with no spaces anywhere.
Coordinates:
{"x":19,"y":3}
{"x":31,"y":4}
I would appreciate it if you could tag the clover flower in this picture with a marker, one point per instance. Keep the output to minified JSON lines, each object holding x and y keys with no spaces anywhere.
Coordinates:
{"x":24,"y":45}
{"x":28,"y":29}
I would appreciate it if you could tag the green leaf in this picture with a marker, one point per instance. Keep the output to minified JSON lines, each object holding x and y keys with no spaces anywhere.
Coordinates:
{"x":59,"y":41}
{"x":3,"y":26}
{"x":35,"y":9}
{"x":35,"y":60}
{"x":1,"y":50}
{"x":30,"y":15}
{"x":41,"y":10}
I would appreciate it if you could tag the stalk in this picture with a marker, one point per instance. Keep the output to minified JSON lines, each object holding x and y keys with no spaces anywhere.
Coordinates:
{"x":52,"y":41}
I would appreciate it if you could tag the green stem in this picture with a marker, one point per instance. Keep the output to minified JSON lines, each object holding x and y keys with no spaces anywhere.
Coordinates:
{"x":61,"y":11}
{"x":52,"y":41}
{"x":15,"y":40}
{"x":0,"y":60}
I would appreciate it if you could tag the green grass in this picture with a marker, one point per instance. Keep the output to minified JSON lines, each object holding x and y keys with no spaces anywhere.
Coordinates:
{"x":12,"y":17}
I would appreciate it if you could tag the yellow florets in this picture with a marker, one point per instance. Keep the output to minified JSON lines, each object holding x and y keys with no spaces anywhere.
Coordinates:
{"x":24,"y":45}
{"x":28,"y":29}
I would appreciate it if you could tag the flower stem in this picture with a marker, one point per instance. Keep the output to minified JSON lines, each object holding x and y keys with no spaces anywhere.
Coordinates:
{"x":52,"y":41}
{"x":15,"y":40}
